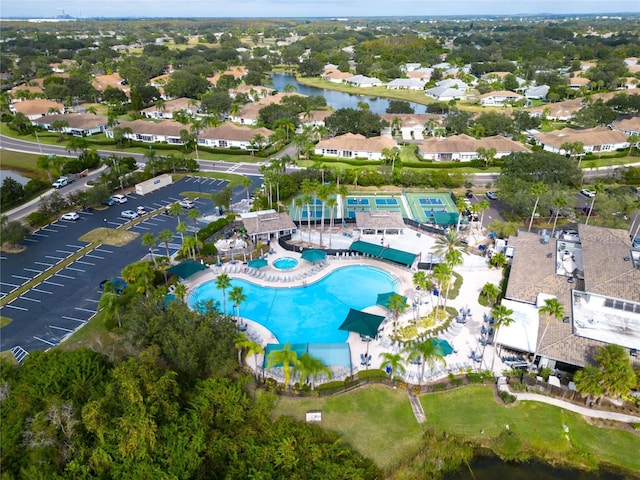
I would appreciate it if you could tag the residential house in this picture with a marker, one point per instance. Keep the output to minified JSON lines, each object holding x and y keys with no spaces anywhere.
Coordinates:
{"x":627,"y":125}
{"x":78,"y":125}
{"x":114,"y":80}
{"x":561,"y":111}
{"x":423,"y":73}
{"x":445,"y":94}
{"x":537,"y":92}
{"x":253,"y":92}
{"x":406,"y":84}
{"x":500,"y":98}
{"x":413,"y":125}
{"x":315,"y":118}
{"x":336,"y":76}
{"x":24,"y":91}
{"x":166,"y":131}
{"x":165,"y":110}
{"x":577,"y":83}
{"x":236,"y":72}
{"x":454,"y":83}
{"x":250,"y":112}
{"x":34,"y":109}
{"x":230,"y":135}
{"x":362,"y":81}
{"x":352,"y":145}
{"x":595,"y":276}
{"x":463,"y":148}
{"x":598,"y":139}
{"x":410,"y":67}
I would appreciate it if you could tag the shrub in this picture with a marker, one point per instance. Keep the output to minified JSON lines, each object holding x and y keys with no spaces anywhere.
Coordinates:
{"x":507,"y":398}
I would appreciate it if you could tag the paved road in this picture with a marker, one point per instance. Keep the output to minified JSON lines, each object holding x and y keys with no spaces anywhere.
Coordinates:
{"x":48,"y":312}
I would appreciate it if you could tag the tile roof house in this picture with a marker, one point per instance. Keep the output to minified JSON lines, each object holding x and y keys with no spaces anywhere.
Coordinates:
{"x":627,"y":125}
{"x":78,"y":125}
{"x":166,"y":131}
{"x":336,"y":76}
{"x":598,"y":139}
{"x":249,"y":113}
{"x":577,"y":82}
{"x":537,"y":92}
{"x":445,"y":93}
{"x":352,"y":145}
{"x":236,"y":72}
{"x":254,"y":92}
{"x":101,"y":82}
{"x":559,"y":110}
{"x":168,"y":108}
{"x":600,"y":292}
{"x":463,"y":148}
{"x":315,"y":117}
{"x":499,"y":98}
{"x":230,"y":135}
{"x":34,"y":109}
{"x":363,"y":81}
{"x":406,"y":84}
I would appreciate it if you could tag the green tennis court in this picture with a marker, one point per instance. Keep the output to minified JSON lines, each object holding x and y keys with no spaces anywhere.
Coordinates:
{"x":435,"y":208}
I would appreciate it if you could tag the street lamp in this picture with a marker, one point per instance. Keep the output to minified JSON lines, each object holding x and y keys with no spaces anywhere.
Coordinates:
{"x":38,"y":139}
{"x":105,"y":226}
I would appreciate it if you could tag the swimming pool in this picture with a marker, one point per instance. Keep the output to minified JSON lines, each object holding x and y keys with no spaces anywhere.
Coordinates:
{"x":306,"y":314}
{"x":285,"y":263}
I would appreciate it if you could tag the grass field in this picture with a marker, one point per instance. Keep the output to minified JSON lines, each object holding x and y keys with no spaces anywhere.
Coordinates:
{"x":378,"y":422}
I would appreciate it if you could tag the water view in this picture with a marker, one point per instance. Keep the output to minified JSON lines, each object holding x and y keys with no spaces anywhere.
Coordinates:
{"x":337,"y":99}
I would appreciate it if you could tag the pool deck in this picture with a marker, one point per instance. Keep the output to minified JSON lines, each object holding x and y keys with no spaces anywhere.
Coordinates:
{"x":463,"y":338}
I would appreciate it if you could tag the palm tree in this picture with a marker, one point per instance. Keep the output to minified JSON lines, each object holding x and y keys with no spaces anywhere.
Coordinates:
{"x":559,"y":203}
{"x":453,"y":258}
{"x":447,"y":242}
{"x":483,"y":205}
{"x":538,"y":189}
{"x":237,"y":296}
{"x":397,"y":305}
{"x":193,"y":215}
{"x":323,"y":194}
{"x":499,"y":260}
{"x":222,"y":283}
{"x":552,"y":308}
{"x":598,"y":188}
{"x":44,"y":162}
{"x":109,"y":302}
{"x":501,"y":316}
{"x":176,"y":210}
{"x":633,"y":140}
{"x":395,"y":361}
{"x":442,"y":273}
{"x":180,"y":291}
{"x":287,"y":357}
{"x":461,"y":207}
{"x":182,"y":229}
{"x":429,"y":352}
{"x":165,"y":236}
{"x":487,"y":154}
{"x":149,"y":240}
{"x":139,"y":274}
{"x":252,"y":348}
{"x":311,"y":368}
{"x":189,"y":245}
{"x":491,"y":292}
{"x":246,"y":183}
{"x":422,"y":280}
{"x":332,"y":203}
{"x":589,"y":382}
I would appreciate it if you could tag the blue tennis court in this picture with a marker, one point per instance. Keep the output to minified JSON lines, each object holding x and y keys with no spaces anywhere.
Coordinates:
{"x":430,"y":201}
{"x":386,"y":201}
{"x":357,"y":201}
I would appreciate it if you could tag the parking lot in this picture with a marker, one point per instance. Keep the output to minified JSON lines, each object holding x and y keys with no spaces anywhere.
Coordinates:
{"x":45,"y":314}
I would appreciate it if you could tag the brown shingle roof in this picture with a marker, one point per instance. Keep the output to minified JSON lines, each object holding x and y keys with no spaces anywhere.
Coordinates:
{"x":628,"y":124}
{"x":465,"y":143}
{"x":379,"y":220}
{"x":588,"y":137}
{"x":267,"y":222}
{"x":356,"y":143}
{"x":251,"y":109}
{"x":76,"y":120}
{"x":412,"y":119}
{"x":37,"y":107}
{"x":230,"y":131}
{"x":165,"y":128}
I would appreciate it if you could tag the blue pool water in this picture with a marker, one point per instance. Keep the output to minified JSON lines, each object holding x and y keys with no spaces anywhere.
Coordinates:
{"x":305,"y":314}
{"x":285,"y":263}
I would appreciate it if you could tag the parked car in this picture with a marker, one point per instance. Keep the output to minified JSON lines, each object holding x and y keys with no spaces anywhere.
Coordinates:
{"x":109,"y":202}
{"x":129,"y":214}
{"x":118,"y":284}
{"x":119,"y":198}
{"x":588,"y":193}
{"x":186,"y":203}
{"x":491,"y":195}
{"x":469,"y":194}
{"x":72,"y":216}
{"x":141,"y":210}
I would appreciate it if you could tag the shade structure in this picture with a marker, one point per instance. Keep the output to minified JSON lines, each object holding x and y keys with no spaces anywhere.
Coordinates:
{"x":187,"y":268}
{"x":443,"y":345}
{"x":314,"y":255}
{"x":383,"y":298}
{"x":258,"y":263}
{"x":362,"y":323}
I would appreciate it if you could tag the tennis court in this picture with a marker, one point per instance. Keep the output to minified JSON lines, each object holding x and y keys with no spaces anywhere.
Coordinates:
{"x":387,"y":203}
{"x":434,"y":208}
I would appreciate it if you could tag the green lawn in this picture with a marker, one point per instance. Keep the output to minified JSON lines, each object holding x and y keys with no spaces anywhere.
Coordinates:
{"x":376,"y":421}
{"x":25,"y":164}
{"x":379,"y":423}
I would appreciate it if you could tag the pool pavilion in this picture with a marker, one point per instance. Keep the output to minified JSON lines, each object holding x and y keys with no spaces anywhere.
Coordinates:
{"x":267,"y":224}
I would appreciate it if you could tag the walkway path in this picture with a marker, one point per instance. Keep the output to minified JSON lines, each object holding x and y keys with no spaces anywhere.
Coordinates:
{"x":587,"y":412}
{"x":416,"y":406}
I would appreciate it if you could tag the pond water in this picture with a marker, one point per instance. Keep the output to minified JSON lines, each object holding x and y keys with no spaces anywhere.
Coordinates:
{"x":16,"y":176}
{"x":490,"y":468}
{"x":337,"y":99}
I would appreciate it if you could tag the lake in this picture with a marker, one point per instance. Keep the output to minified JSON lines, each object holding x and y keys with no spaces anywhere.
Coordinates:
{"x":16,"y":176}
{"x":337,"y":99}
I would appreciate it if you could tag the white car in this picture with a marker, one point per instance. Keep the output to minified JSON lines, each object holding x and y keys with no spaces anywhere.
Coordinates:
{"x":129,"y":214}
{"x":491,"y":195}
{"x":186,"y":203}
{"x":119,"y":198}
{"x":588,"y":193}
{"x":72,"y":216}
{"x":141,"y":210}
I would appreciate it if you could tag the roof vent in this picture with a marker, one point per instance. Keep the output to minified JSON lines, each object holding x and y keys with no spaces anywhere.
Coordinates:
{"x":627,"y":258}
{"x":549,"y":255}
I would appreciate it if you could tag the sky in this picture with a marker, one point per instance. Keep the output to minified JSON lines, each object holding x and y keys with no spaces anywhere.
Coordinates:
{"x":304,"y":8}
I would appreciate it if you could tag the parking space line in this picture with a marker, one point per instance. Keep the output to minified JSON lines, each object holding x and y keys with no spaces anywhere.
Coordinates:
{"x":64,"y":251}
{"x":85,"y":310}
{"x":48,"y":282}
{"x":91,"y":300}
{"x":61,"y":224}
{"x":45,"y":341}
{"x":32,"y":270}
{"x":140,"y":226}
{"x":60,"y":328}
{"x":75,"y":269}
{"x":94,"y":256}
{"x":65,"y":276}
{"x":49,"y":230}
{"x":102,"y":250}
{"x":74,"y":246}
{"x":10,"y":284}
{"x":115,"y":223}
{"x":44,"y":264}
{"x":16,"y":307}
{"x":74,"y":319}
{"x":30,"y":299}
{"x":21,"y":277}
{"x":42,"y":291}
{"x":159,"y":219}
{"x":2,"y":258}
{"x":31,"y":240}
{"x":36,"y":234}
{"x":85,"y":263}
{"x":53,"y":258}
